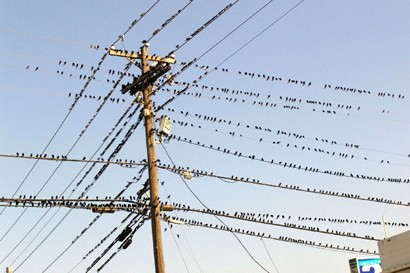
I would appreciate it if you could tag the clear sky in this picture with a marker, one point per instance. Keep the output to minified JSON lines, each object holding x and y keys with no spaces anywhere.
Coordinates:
{"x":331,"y":77}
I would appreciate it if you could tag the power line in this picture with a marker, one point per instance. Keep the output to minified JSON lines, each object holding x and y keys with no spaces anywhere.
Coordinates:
{"x":226,"y":59}
{"x":268,"y":77}
{"x":187,"y":65}
{"x":115,"y":203}
{"x":137,"y":220}
{"x":78,"y":184}
{"x":287,"y":145}
{"x":208,"y":23}
{"x":292,"y":165}
{"x":203,"y":204}
{"x":253,"y":181}
{"x":348,"y":144}
{"x":132,"y":165}
{"x":64,"y":120}
{"x":261,"y":32}
{"x":81,"y":92}
{"x":270,"y":221}
{"x":179,"y":250}
{"x":61,"y":220}
{"x":264,"y":235}
{"x":270,"y":257}
{"x":169,"y":20}
{"x":101,"y":242}
{"x":69,"y":151}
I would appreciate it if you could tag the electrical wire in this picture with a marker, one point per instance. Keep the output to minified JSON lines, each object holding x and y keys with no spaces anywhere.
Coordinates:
{"x":101,"y":242}
{"x":139,"y":220}
{"x":269,"y":221}
{"x":288,"y":145}
{"x":61,"y":162}
{"x":141,"y":172}
{"x":292,"y":165}
{"x":253,"y":181}
{"x":188,"y":246}
{"x":72,"y":243}
{"x":79,"y":183}
{"x":270,"y":257}
{"x":208,"y":23}
{"x":76,"y":100}
{"x":118,"y":203}
{"x":281,"y":185}
{"x":225,"y":60}
{"x":179,"y":250}
{"x":260,"y":33}
{"x":203,"y":204}
{"x":348,"y":144}
{"x":264,"y":235}
{"x":119,"y":38}
{"x":169,"y":20}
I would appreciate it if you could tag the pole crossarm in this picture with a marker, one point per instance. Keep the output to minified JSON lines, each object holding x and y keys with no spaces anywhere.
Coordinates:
{"x":137,"y":55}
{"x":150,"y":76}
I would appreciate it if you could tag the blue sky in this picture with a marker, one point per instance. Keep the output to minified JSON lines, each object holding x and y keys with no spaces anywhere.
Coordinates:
{"x":340,"y":72}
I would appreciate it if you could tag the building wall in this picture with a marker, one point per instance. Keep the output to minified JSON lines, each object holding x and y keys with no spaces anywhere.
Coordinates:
{"x":395,"y":253}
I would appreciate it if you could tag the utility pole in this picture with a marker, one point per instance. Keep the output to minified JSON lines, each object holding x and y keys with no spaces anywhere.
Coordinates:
{"x":144,"y":83}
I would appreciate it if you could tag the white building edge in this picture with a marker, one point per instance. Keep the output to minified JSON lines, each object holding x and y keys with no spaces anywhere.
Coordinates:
{"x":395,"y":253}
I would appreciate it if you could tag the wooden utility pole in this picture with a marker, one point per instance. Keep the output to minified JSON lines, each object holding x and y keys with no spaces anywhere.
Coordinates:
{"x":146,"y":81}
{"x":152,"y":169}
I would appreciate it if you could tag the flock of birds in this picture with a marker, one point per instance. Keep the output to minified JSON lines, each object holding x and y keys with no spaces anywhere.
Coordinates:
{"x":281,"y":132}
{"x":250,"y":74}
{"x":206,"y":24}
{"x":140,"y":204}
{"x":331,"y":109}
{"x":131,"y":163}
{"x":285,"y":102}
{"x":325,"y":86}
{"x":239,"y":215}
{"x":97,"y":98}
{"x":125,"y":238}
{"x":100,"y":159}
{"x":255,"y":94}
{"x":288,"y":164}
{"x":200,"y":173}
{"x":287,"y":145}
{"x":270,"y":219}
{"x":117,"y":204}
{"x":264,"y":235}
{"x":255,"y":75}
